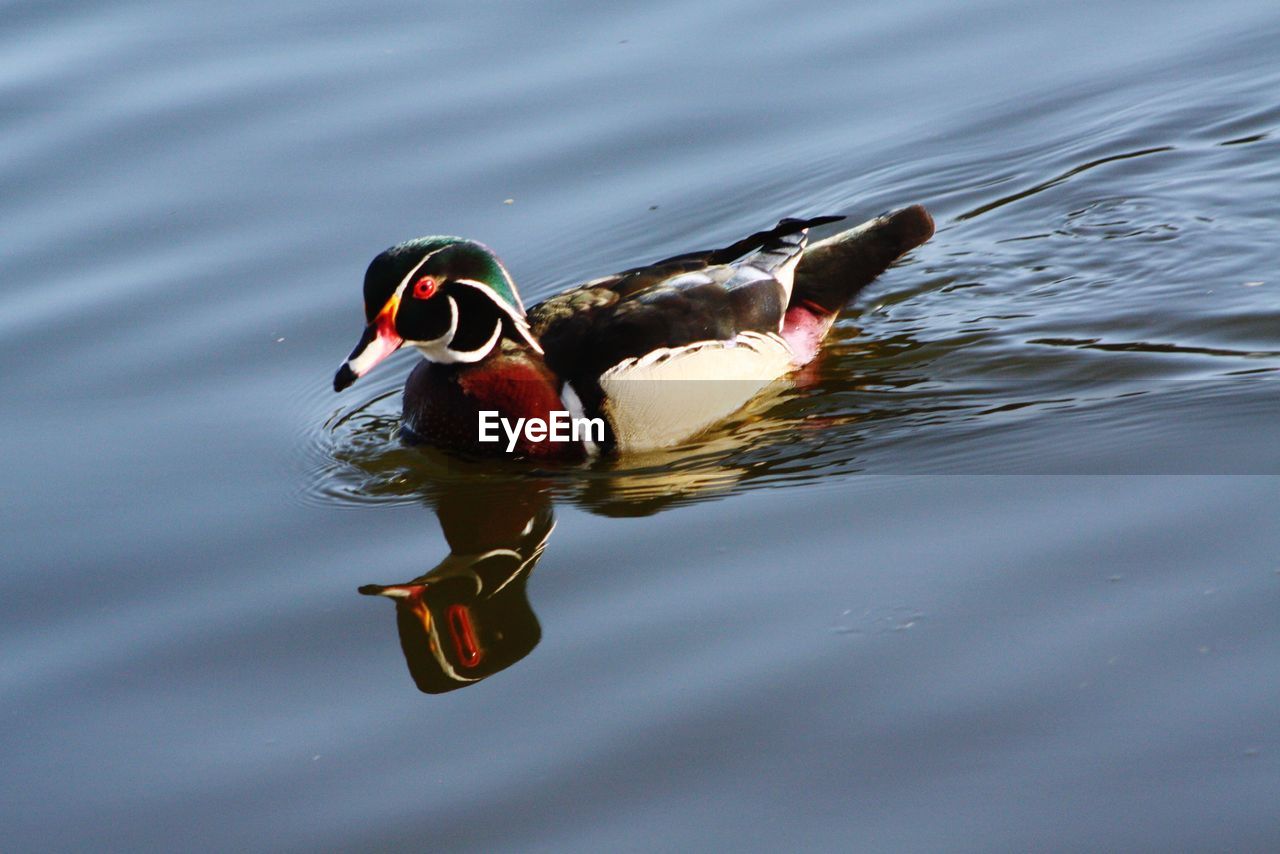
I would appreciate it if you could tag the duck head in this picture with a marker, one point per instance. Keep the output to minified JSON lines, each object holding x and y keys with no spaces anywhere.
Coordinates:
{"x":449,"y":297}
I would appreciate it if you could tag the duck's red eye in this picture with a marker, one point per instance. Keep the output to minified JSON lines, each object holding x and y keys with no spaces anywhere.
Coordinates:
{"x":424,"y":288}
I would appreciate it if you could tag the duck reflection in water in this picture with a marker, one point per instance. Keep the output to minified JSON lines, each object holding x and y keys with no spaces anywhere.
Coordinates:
{"x":470,"y":617}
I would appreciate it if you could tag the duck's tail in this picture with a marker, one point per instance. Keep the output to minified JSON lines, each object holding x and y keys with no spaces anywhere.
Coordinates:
{"x":832,"y":272}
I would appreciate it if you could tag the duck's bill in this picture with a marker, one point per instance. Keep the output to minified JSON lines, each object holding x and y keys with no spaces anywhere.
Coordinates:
{"x":409,"y":590}
{"x":378,"y":342}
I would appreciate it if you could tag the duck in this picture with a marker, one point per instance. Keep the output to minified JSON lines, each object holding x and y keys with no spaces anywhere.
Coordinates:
{"x":643,"y":359}
{"x":470,"y":617}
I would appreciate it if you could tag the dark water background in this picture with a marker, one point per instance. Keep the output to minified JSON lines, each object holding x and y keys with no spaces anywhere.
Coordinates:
{"x":1003,"y":574}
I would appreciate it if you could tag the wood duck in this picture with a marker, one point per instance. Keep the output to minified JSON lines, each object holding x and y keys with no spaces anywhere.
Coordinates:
{"x":655,"y":354}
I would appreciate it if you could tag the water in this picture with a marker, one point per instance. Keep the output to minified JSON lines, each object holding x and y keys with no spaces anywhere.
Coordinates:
{"x":1000,"y":573}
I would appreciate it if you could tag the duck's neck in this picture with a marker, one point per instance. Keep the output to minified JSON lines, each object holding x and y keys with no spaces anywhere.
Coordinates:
{"x":454,"y":404}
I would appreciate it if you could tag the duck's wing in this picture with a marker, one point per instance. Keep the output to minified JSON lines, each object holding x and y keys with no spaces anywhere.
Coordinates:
{"x":748,"y":244}
{"x":609,"y":290}
{"x":676,"y":303}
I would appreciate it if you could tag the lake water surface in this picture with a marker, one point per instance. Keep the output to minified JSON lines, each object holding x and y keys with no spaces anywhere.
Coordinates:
{"x":1002,"y":572}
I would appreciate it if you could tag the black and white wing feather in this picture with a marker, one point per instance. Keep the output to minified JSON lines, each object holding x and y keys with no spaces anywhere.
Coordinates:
{"x":684,"y":300}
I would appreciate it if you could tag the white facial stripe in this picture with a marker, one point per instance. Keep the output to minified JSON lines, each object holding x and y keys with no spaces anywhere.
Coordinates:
{"x":517,"y":317}
{"x":494,"y":294}
{"x":443,"y":341}
{"x":481,"y":351}
{"x":439,"y":351}
{"x":418,"y":266}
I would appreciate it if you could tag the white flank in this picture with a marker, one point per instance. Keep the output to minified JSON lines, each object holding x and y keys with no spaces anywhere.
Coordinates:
{"x":669,"y":395}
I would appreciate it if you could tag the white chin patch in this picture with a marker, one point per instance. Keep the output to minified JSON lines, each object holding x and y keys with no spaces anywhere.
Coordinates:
{"x":438,"y":349}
